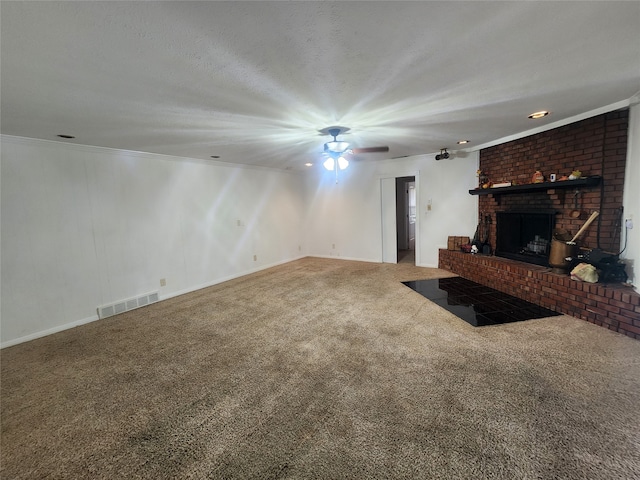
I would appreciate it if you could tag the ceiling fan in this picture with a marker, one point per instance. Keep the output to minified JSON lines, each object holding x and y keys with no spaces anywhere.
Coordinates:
{"x":336,"y":150}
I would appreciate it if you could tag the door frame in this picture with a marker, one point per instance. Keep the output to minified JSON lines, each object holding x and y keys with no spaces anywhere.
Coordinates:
{"x":388,"y":219}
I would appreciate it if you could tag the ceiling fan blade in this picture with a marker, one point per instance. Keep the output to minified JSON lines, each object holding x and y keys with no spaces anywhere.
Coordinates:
{"x":369,"y":150}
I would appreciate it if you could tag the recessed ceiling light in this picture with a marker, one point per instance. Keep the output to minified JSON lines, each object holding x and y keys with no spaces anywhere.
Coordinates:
{"x":215,"y":156}
{"x":66,"y":136}
{"x":462,"y":142}
{"x":308,"y":164}
{"x":540,"y":114}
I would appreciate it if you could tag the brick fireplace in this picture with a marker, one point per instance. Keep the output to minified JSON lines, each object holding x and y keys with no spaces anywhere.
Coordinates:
{"x":597,"y":147}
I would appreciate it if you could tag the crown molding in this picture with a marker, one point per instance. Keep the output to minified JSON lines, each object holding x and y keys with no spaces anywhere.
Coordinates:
{"x":92,"y":149}
{"x":560,"y":123}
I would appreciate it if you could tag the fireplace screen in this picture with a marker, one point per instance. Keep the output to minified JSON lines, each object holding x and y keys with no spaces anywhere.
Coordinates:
{"x":524,"y":236}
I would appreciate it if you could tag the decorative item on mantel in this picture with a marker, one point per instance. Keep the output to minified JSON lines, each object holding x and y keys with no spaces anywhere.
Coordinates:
{"x":537,"y":177}
{"x":575,"y":175}
{"x":483,"y":179}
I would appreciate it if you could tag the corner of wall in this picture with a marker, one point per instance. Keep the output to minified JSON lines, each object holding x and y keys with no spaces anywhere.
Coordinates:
{"x":631,"y":199}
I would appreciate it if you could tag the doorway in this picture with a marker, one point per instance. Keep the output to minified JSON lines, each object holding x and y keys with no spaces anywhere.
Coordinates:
{"x":398,"y":217}
{"x":406,"y":219}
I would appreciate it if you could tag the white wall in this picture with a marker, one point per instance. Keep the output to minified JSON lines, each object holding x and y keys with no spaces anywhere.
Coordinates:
{"x":348,"y":214}
{"x":84,"y":227}
{"x":631,"y":198}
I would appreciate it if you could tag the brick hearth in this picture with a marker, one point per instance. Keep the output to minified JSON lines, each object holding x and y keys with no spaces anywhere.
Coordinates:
{"x":613,"y":306}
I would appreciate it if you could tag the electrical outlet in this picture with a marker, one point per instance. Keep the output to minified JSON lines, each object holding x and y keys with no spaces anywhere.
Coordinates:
{"x":255,"y":258}
{"x":628,"y":223}
{"x":163,"y":282}
{"x":333,"y":245}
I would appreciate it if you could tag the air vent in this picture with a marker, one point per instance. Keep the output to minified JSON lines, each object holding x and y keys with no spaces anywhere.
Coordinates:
{"x":120,"y":307}
{"x":125,"y":305}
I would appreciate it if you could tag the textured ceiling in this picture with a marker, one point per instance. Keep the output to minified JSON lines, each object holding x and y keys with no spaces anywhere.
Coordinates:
{"x":253,"y":82}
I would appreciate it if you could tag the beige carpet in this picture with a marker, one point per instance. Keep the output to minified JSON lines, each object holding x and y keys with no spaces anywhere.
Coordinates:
{"x":325,"y":369}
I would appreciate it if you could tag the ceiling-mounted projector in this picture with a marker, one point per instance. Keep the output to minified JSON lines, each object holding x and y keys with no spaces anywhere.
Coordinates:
{"x":443,"y":155}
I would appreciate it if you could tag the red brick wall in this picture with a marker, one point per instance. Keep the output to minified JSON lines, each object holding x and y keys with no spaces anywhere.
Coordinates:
{"x":595,"y":146}
{"x":613,"y":306}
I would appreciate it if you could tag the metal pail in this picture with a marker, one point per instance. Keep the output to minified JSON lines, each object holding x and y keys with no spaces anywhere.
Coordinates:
{"x":560,"y":251}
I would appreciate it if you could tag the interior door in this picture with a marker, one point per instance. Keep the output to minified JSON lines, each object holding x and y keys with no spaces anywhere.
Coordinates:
{"x":411,"y":214}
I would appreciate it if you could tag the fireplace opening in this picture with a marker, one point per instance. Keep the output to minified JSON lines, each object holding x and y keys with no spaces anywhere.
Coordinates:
{"x":524,"y":236}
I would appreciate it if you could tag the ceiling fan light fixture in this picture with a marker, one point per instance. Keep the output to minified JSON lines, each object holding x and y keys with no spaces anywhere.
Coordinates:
{"x":329,"y":164}
{"x":336,"y":147}
{"x":343,"y":163}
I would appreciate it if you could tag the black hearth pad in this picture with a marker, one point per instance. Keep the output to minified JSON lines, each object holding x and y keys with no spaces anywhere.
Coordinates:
{"x":477,"y":304}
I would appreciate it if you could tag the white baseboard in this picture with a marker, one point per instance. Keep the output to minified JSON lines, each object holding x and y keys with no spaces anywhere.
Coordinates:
{"x":48,"y":331}
{"x":227,"y":278}
{"x":353,"y":259}
{"x":334,"y":257}
{"x":427,"y":265}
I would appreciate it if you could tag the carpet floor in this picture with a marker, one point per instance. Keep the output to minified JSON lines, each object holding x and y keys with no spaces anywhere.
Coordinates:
{"x":326,"y":369}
